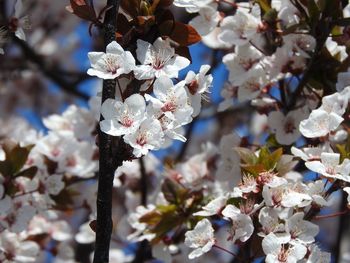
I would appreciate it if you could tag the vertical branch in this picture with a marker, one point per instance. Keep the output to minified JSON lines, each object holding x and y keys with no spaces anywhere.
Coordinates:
{"x":342,"y":227}
{"x":143,"y":250}
{"x":143,"y":182}
{"x":107,"y":163}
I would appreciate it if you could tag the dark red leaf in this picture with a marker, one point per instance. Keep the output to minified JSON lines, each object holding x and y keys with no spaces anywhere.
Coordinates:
{"x":81,"y":9}
{"x":182,"y":34}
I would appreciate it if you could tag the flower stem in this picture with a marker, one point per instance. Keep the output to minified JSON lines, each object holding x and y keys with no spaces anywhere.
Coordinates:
{"x":331,"y":215}
{"x":224,"y":249}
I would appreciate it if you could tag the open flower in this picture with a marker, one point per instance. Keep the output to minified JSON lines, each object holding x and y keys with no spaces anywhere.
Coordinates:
{"x":207,"y":19}
{"x":300,"y":230}
{"x":111,"y":64}
{"x":242,"y":225}
{"x":172,"y":101}
{"x":123,"y":118}
{"x":241,"y":62}
{"x":320,"y":123}
{"x":149,"y":136}
{"x":240,"y":28}
{"x":278,"y":251}
{"x":197,"y":85}
{"x":329,"y":166}
{"x":158,"y":60}
{"x":201,"y":238}
{"x":286,"y":127}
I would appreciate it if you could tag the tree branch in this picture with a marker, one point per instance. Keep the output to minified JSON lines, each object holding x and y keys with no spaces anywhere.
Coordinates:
{"x":52,"y":74}
{"x":109,"y":158}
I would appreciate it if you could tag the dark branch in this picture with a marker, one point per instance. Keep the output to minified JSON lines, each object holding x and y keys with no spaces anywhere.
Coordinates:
{"x":109,"y":159}
{"x":51,"y":73}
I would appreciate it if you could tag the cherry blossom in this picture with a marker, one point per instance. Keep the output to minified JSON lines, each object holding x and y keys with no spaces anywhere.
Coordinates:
{"x":329,"y":166}
{"x":122,"y":118}
{"x":196,"y":86}
{"x":301,"y":231}
{"x":207,"y":19}
{"x":149,"y":136}
{"x":201,"y":238}
{"x":276,"y":251}
{"x":286,"y":127}
{"x":241,"y":62}
{"x":240,"y":28}
{"x":171,"y":100}
{"x":158,"y":60}
{"x":111,"y":64}
{"x":242,"y":225}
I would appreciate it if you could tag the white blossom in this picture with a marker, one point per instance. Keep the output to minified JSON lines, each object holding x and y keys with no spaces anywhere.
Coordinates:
{"x":329,"y":166}
{"x":111,"y":64}
{"x":201,"y":238}
{"x":242,"y":226}
{"x":280,"y":252}
{"x":196,"y":86}
{"x":149,"y":136}
{"x":158,"y":60}
{"x":122,"y":118}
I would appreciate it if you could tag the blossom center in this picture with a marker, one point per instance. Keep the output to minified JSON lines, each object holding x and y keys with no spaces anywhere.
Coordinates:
{"x":111,"y":62}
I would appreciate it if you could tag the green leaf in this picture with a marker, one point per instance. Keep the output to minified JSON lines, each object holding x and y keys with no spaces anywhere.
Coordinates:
{"x":234,"y":201}
{"x":18,"y":158}
{"x":246,"y":155}
{"x":151,"y":218}
{"x":254,"y":170}
{"x":273,"y":158}
{"x":173,"y":192}
{"x":264,"y":4}
{"x":29,"y":172}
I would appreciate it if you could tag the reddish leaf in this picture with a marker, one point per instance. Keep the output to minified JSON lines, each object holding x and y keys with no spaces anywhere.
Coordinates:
{"x":165,"y":16}
{"x":160,"y":3}
{"x":123,"y":24}
{"x":93,"y":225}
{"x":81,"y":9}
{"x":131,"y":7}
{"x":165,"y":3}
{"x":182,"y":34}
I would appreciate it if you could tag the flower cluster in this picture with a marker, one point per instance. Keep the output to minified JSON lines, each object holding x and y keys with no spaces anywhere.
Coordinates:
{"x":149,"y":122}
{"x":38,"y":174}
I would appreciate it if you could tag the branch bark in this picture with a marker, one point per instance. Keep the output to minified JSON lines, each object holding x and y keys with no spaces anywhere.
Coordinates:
{"x":109,"y":158}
